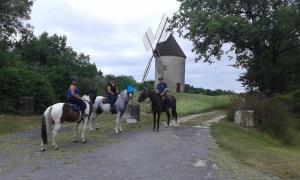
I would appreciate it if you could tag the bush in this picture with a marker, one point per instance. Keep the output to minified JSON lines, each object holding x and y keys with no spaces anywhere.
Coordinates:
{"x":236,"y":103}
{"x":292,"y":100}
{"x":16,"y":83}
{"x":270,"y":115}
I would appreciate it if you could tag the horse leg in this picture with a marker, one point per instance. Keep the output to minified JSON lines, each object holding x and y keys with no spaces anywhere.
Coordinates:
{"x":168,"y":116}
{"x":174,"y":114}
{"x":75,"y":131}
{"x":54,"y":132}
{"x":92,"y":119}
{"x":117,"y":122}
{"x":120,"y":125}
{"x":85,"y":120}
{"x":154,"y":120}
{"x":158,"y":117}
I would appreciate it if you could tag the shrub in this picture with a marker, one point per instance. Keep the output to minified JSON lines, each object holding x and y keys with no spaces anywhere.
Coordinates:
{"x":270,"y":115}
{"x":292,"y":100}
{"x":236,"y":103}
{"x":16,"y":83}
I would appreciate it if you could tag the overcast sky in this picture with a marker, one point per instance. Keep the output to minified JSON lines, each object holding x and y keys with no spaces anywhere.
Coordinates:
{"x":111,"y":32}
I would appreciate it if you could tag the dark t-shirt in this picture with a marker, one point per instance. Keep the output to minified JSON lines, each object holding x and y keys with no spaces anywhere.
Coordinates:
{"x":161,"y":87}
{"x":113,"y":88}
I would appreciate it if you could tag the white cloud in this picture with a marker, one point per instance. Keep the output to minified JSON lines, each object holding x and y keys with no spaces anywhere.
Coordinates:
{"x":111,"y":33}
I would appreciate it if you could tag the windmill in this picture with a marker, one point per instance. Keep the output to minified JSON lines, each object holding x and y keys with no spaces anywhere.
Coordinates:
{"x":150,"y":41}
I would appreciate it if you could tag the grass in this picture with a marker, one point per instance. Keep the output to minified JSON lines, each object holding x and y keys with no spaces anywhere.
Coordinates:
{"x":186,"y":104}
{"x":195,"y":103}
{"x":260,"y":151}
{"x":11,"y":124}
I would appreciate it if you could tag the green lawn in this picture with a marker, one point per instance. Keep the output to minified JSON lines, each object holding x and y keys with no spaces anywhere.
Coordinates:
{"x":186,"y":104}
{"x":259,"y":150}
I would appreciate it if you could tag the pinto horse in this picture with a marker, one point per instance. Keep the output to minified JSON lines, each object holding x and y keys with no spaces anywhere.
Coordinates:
{"x":101,"y":106}
{"x":58,"y":113}
{"x":159,"y":106}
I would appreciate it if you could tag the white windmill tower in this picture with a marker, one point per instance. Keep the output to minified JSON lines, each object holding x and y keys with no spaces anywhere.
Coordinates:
{"x":169,"y":57}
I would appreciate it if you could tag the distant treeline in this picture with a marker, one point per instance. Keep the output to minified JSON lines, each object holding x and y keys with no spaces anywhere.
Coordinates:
{"x":193,"y":90}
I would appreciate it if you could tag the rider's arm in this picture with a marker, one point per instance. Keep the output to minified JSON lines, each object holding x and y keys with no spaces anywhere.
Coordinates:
{"x":109,"y":90}
{"x":166,"y":89}
{"x":72,"y":88}
{"x":117,"y":89}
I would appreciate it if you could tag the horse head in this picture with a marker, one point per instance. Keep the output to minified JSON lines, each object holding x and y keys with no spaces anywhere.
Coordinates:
{"x":92,"y":94}
{"x":86,"y":98}
{"x":144,"y":94}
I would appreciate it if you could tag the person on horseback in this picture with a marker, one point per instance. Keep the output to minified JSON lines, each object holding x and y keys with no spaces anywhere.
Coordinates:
{"x":112,"y":94}
{"x":73,"y":96}
{"x":162,"y":89}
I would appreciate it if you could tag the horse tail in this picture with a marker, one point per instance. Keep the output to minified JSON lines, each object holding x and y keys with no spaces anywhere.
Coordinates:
{"x":45,"y":120}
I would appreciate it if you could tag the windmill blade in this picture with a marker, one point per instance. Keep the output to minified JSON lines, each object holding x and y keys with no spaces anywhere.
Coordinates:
{"x":161,"y":33}
{"x":148,"y":40}
{"x":146,"y":72}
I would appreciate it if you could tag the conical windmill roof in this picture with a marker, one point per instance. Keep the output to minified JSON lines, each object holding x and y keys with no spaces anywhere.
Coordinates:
{"x":170,"y":47}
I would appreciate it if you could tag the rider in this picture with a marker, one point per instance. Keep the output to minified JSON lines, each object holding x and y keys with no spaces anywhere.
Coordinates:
{"x":112,"y":94}
{"x":73,"y":97}
{"x":162,"y":89}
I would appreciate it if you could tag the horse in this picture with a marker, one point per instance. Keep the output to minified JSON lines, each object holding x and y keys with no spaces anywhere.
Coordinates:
{"x":159,"y":106}
{"x":101,"y":106}
{"x":58,"y":113}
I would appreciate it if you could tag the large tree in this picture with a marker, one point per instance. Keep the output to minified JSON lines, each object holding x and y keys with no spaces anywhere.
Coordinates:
{"x":255,"y":30}
{"x":13,"y":14}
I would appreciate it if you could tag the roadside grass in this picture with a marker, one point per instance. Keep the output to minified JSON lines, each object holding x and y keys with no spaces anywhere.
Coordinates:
{"x":186,"y":104}
{"x":11,"y":124}
{"x":260,"y":151}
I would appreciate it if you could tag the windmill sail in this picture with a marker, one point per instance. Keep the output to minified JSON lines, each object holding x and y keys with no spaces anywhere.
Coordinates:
{"x":150,"y":41}
{"x":146,"y":72}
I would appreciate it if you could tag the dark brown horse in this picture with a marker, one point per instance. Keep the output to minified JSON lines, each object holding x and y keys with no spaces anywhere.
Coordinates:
{"x":158,"y":105}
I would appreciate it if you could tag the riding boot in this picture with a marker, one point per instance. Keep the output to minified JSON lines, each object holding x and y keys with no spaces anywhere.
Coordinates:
{"x":113,"y":109}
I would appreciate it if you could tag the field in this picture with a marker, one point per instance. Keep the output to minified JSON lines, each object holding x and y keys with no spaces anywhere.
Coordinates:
{"x":186,"y":104}
{"x":260,"y":151}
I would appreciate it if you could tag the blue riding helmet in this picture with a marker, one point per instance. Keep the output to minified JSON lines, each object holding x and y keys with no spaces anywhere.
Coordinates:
{"x":130,"y":89}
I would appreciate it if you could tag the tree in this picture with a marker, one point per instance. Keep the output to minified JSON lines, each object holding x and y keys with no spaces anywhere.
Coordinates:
{"x":13,"y":13}
{"x":256,"y":30}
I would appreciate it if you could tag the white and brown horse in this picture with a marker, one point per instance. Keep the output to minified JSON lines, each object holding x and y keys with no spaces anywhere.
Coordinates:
{"x":58,"y":113}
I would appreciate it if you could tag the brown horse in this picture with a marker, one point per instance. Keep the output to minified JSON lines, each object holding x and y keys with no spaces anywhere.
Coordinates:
{"x":159,"y":106}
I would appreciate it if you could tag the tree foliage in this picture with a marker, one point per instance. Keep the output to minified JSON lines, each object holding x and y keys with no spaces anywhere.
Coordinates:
{"x":255,"y":30}
{"x":13,"y":14}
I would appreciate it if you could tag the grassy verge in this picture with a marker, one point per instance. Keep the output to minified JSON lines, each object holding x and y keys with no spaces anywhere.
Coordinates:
{"x":12,"y":124}
{"x":186,"y":104}
{"x":260,"y":151}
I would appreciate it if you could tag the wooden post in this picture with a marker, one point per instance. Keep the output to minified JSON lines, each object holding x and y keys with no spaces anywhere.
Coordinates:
{"x":25,"y":106}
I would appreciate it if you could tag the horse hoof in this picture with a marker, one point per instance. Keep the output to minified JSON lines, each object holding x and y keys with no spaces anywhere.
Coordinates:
{"x":74,"y":140}
{"x":91,"y":129}
{"x":56,"y":148}
{"x":157,"y":130}
{"x":97,"y":129}
{"x":83,"y":141}
{"x":43,"y":149}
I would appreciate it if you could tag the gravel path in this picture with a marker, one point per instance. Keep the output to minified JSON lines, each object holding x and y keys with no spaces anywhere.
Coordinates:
{"x":181,"y":153}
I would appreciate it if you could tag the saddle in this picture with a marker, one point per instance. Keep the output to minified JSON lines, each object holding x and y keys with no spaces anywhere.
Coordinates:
{"x":75,"y":107}
{"x":105,"y":101}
